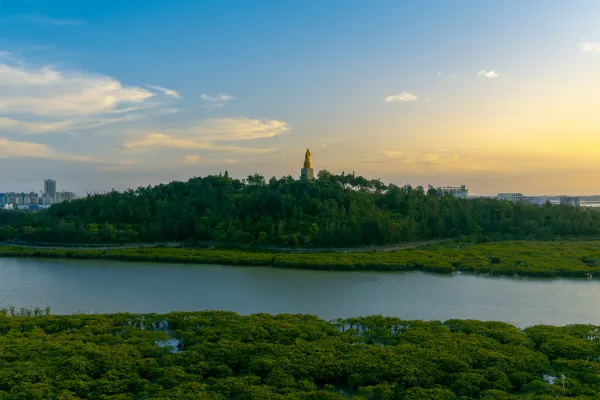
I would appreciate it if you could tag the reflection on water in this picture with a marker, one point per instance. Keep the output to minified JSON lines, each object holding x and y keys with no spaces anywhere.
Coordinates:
{"x":69,"y":286}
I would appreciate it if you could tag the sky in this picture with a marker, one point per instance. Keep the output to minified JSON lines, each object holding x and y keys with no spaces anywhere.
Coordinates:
{"x":499,"y":95}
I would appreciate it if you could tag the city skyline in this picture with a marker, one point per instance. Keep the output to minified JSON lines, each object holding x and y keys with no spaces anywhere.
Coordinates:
{"x":498,"y":96}
{"x":48,"y":195}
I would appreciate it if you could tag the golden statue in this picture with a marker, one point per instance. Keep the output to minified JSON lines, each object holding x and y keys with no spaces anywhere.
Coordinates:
{"x":307,"y":163}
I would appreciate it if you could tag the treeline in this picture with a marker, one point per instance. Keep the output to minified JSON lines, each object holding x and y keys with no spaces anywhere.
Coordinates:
{"x":332,"y":210}
{"x":225,"y":356}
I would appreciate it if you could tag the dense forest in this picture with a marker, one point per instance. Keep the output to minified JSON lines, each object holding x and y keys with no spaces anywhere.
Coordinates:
{"x":332,"y":210}
{"x":224,"y":356}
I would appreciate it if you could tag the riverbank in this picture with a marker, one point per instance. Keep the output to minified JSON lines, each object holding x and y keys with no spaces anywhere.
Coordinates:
{"x":521,"y":258}
{"x":214,"y":355}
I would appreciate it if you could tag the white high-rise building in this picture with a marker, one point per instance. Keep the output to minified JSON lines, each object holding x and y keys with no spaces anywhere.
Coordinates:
{"x":50,"y":191}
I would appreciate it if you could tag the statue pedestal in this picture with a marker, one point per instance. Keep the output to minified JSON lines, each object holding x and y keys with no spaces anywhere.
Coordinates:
{"x":307,"y":173}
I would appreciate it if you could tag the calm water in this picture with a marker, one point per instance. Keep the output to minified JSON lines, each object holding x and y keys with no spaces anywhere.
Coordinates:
{"x":69,"y":286}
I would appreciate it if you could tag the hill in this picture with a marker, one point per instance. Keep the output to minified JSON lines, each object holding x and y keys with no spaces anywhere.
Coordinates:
{"x":332,"y":210}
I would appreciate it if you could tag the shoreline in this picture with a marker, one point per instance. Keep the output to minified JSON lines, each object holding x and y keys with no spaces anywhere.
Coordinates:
{"x":564,"y":259}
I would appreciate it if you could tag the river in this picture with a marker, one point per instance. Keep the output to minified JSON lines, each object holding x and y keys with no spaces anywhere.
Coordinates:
{"x":70,"y":286}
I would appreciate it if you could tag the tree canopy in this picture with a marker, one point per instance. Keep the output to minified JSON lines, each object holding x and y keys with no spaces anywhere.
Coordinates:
{"x":225,"y":356}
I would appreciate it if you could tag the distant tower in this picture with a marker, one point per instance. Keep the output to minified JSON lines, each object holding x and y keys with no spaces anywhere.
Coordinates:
{"x":307,"y":172}
{"x":50,"y":191}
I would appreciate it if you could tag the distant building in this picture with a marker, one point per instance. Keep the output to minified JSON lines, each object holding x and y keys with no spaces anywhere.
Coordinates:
{"x":49,"y":191}
{"x":33,"y":197}
{"x":65,"y":196}
{"x":12,"y":198}
{"x":571,"y":201}
{"x":23,"y":199}
{"x":512,"y":197}
{"x":460,"y":192}
{"x":540,"y":201}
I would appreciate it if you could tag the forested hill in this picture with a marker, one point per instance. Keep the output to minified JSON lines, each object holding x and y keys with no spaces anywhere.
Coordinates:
{"x":331,"y":210}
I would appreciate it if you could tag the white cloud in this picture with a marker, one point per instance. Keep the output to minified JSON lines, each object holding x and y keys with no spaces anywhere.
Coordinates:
{"x":168,"y":92}
{"x":48,"y":92}
{"x":218,"y":98}
{"x":589,"y":47}
{"x":489,"y":74}
{"x":403,"y":97}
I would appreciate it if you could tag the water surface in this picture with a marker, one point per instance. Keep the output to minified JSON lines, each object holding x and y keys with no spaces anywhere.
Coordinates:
{"x":91,"y":286}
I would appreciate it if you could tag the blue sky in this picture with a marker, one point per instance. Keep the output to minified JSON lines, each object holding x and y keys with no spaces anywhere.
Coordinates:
{"x":497,"y":95}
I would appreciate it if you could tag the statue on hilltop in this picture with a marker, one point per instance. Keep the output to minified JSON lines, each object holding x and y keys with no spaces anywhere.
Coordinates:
{"x":307,"y":172}
{"x":307,"y":163}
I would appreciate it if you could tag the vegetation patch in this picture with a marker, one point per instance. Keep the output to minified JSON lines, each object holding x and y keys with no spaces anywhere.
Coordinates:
{"x":519,"y":258}
{"x":214,"y":355}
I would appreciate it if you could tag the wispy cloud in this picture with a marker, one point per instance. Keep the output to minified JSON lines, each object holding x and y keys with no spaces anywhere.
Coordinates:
{"x":589,"y":47}
{"x":211,"y":135}
{"x":10,"y":124}
{"x":489,"y":74}
{"x":402,"y":97}
{"x":17,"y":149}
{"x":217,"y":98}
{"x":43,"y":99}
{"x":168,"y":92}
{"x":472,"y":161}
{"x":446,"y":75}
{"x":64,"y":126}
{"x":239,"y":129}
{"x":44,"y":20}
{"x":192,"y":159}
{"x":423,"y":161}
{"x":169,"y":110}
{"x":46,"y":91}
{"x":217,"y":101}
{"x":11,"y":148}
{"x":213,"y":105}
{"x":163,"y":141}
{"x":326,"y":142}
